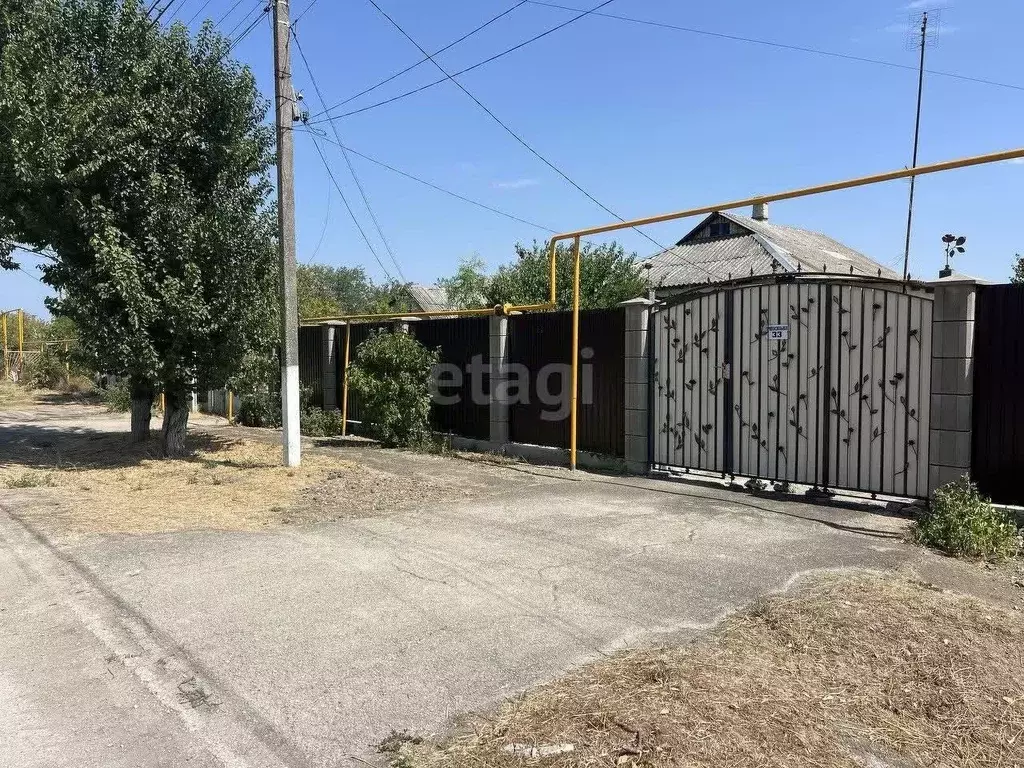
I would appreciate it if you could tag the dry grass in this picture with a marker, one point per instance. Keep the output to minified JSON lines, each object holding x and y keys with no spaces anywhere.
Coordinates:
{"x":104,"y":484}
{"x":12,"y":395}
{"x":862,"y":672}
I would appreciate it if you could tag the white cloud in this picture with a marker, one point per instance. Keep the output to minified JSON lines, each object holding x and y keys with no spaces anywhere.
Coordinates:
{"x":515,"y":184}
{"x":1016,"y":161}
{"x":913,"y":5}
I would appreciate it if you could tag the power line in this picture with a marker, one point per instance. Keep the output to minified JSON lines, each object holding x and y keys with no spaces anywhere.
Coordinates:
{"x":784,"y":46}
{"x":323,"y":229}
{"x":422,"y":61}
{"x":304,"y":12}
{"x":488,"y":60}
{"x":246,"y":32}
{"x":426,"y":183}
{"x":519,"y":138}
{"x":348,"y":160}
{"x":229,"y":12}
{"x":199,"y":10}
{"x":348,"y":207}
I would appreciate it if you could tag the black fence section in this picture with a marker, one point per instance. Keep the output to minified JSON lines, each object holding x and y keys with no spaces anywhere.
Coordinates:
{"x":360,"y":332}
{"x":542,"y":343}
{"x":460,"y":340}
{"x":997,"y":463}
{"x":311,"y":363}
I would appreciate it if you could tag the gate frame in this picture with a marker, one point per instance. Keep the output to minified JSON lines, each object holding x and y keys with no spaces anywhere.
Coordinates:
{"x":911,"y":288}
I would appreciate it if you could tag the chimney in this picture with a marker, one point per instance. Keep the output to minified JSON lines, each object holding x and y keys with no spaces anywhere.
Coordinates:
{"x":760,"y":212}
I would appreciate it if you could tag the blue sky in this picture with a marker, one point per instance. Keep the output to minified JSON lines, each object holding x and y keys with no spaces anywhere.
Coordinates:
{"x":647,"y":120}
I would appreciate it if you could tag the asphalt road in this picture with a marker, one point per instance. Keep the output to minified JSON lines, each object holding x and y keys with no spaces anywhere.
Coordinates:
{"x":305,"y":646}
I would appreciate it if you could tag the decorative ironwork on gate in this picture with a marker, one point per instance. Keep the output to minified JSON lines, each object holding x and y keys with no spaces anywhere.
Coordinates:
{"x":808,"y":379}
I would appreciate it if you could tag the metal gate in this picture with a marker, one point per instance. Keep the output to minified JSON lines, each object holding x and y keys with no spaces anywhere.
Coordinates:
{"x":805,"y":379}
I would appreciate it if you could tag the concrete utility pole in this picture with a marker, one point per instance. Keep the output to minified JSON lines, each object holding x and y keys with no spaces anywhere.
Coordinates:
{"x":286,"y":115}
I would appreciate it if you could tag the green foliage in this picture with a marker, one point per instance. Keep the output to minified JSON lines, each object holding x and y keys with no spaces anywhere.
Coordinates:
{"x":140,"y":157}
{"x":118,"y":397}
{"x":316,"y":422}
{"x":326,"y":291}
{"x":1017,"y":277}
{"x":467,"y":288}
{"x":962,"y":522}
{"x":607,"y":276}
{"x":391,"y":373}
{"x":257,"y":383}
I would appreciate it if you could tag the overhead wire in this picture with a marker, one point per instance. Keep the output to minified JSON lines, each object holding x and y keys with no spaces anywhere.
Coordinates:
{"x":348,"y":207}
{"x":783,"y":46}
{"x":520,"y":139}
{"x":199,"y":10}
{"x":323,"y":229}
{"x":229,"y":11}
{"x":488,"y":60}
{"x":411,"y":67}
{"x":348,"y":160}
{"x":433,"y":186}
{"x":246,"y":32}
{"x":304,"y":12}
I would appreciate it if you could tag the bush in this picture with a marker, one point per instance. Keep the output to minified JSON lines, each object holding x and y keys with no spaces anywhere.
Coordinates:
{"x":962,"y":522}
{"x":258,"y":386}
{"x":118,"y":397}
{"x":316,"y":422}
{"x":392,"y":376}
{"x":45,"y":370}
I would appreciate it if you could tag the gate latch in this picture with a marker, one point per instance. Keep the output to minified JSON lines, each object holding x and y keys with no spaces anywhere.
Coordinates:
{"x":726,"y":370}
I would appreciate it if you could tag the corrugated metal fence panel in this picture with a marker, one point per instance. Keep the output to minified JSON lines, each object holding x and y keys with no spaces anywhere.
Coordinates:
{"x":539,"y":346}
{"x":460,"y":340}
{"x":998,"y":418}
{"x":311,"y":363}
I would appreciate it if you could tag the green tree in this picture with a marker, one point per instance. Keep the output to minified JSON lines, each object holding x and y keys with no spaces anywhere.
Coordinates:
{"x":324,"y":290}
{"x":467,"y":288}
{"x":392,"y":374}
{"x":140,"y":158}
{"x":607,"y":276}
{"x":1018,"y":270}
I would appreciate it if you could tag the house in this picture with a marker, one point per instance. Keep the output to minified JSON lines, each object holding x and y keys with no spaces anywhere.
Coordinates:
{"x":728,"y":246}
{"x":428,"y":298}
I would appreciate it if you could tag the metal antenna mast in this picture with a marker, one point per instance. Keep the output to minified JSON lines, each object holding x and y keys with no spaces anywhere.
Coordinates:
{"x":922,"y":42}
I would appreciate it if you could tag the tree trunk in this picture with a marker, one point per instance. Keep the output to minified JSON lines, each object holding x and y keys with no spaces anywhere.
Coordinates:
{"x":176,"y":407}
{"x":142,"y":410}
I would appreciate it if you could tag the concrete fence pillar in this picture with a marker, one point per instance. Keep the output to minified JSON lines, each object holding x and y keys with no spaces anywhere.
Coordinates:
{"x":637,"y":447}
{"x":332,"y":333}
{"x":498,"y":365}
{"x":952,"y":381}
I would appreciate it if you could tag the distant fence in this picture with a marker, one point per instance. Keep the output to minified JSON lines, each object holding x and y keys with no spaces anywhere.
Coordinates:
{"x":538,"y":348}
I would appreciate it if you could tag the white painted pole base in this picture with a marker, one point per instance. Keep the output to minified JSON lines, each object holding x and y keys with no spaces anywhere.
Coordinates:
{"x":290,"y":435}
